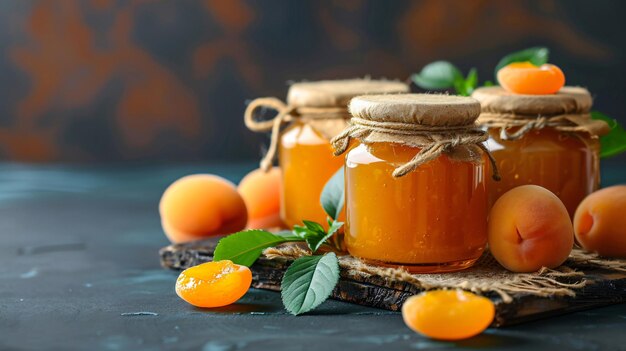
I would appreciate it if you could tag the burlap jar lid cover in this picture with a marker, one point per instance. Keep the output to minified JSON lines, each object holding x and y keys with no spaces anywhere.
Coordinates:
{"x":321,"y":104}
{"x":436,"y":124}
{"x":567,"y":111}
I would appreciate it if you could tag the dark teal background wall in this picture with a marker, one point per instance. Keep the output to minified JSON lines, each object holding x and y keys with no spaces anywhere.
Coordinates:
{"x":104,"y":80}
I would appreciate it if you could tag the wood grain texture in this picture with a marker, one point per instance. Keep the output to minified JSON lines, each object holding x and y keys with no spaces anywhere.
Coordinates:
{"x":604,"y":287}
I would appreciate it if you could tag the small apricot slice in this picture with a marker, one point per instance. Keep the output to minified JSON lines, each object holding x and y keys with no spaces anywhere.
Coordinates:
{"x":448,"y":314}
{"x":261,"y":192}
{"x":213,"y":284}
{"x":201,"y":205}
{"x":529,"y":228}
{"x":600,"y":223}
{"x":526,"y":78}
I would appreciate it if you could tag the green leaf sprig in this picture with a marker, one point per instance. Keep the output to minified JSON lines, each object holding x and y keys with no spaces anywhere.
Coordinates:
{"x":613,"y":143}
{"x":443,"y":75}
{"x":309,"y":280}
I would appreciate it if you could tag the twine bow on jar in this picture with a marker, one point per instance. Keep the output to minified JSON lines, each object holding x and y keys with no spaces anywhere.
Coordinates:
{"x":436,"y":124}
{"x":567,"y":111}
{"x":570,"y":123}
{"x":285,"y":114}
{"x":433,"y":141}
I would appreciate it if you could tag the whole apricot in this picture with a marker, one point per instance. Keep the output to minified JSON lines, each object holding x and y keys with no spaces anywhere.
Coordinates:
{"x":199,"y":206}
{"x":526,"y":78}
{"x":260,"y":191}
{"x":529,"y":228}
{"x":213,"y":284}
{"x":448,"y":314}
{"x":600,"y":222}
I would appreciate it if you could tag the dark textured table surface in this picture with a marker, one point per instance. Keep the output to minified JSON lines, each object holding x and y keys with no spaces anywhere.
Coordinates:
{"x":79,"y":270}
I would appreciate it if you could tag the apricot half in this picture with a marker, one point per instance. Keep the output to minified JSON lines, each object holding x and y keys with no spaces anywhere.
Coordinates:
{"x":526,"y":78}
{"x":529,"y":228}
{"x":261,"y":192}
{"x":213,"y":284}
{"x":199,"y":206}
{"x":448,"y":314}
{"x":600,"y":222}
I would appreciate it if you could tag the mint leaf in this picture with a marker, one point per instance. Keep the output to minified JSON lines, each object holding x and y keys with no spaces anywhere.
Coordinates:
{"x":308,"y":282}
{"x":437,"y":75}
{"x":333,"y":197}
{"x":535,"y":55}
{"x":614,"y":142}
{"x":245,"y":247}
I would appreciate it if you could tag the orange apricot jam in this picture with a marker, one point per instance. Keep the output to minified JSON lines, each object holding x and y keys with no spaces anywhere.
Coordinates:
{"x":566,"y":164}
{"x":431,"y":219}
{"x":547,"y":140}
{"x":315,"y":112}
{"x":307,"y":163}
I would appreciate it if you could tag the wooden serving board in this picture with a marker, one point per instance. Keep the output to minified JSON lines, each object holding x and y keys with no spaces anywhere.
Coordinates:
{"x":604,"y":286}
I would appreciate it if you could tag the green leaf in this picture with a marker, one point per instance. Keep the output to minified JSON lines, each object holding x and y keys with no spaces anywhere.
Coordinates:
{"x":535,"y":55}
{"x":245,"y":247}
{"x":471,"y":82}
{"x":614,"y":142}
{"x":314,"y":234}
{"x":315,"y":227}
{"x":315,"y":239}
{"x":308,"y":282}
{"x":333,"y":195}
{"x":300,"y":231}
{"x":437,"y":75}
{"x":465,"y":86}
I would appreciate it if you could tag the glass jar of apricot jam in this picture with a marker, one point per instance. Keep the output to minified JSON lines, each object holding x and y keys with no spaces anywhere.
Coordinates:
{"x":415,"y":183}
{"x":315,"y":112}
{"x":548,"y":140}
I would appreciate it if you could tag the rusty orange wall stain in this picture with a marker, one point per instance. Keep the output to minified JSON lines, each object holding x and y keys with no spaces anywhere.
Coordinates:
{"x":67,"y":71}
{"x":109,"y":65}
{"x":233,"y":17}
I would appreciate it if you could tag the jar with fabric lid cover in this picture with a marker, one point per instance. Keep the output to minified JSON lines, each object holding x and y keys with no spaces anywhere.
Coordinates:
{"x":547,"y":140}
{"x":301,"y":132}
{"x":415,"y":185}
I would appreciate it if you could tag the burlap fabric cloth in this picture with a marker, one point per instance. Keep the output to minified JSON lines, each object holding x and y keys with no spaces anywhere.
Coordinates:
{"x":515,"y":115}
{"x":486,"y":276}
{"x":436,"y":124}
{"x":322,"y":104}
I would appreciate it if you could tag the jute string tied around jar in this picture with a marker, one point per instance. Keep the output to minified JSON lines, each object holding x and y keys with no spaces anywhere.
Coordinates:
{"x":322,"y":104}
{"x":566,"y":111}
{"x":436,"y":124}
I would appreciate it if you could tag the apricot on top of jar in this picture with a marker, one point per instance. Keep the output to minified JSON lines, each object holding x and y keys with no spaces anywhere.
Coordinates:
{"x":526,"y":78}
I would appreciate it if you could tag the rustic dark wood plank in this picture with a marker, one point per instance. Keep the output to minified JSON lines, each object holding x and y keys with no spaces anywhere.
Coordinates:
{"x":604,"y":288}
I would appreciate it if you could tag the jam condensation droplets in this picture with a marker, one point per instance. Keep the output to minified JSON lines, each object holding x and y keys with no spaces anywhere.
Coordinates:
{"x":526,"y":78}
{"x":213,"y":284}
